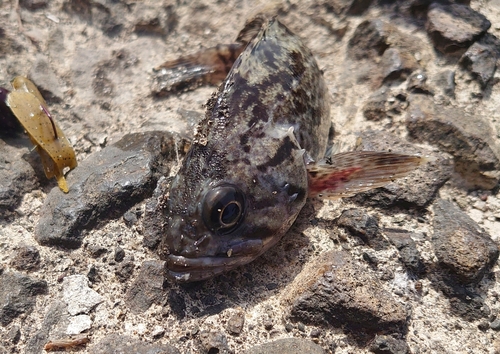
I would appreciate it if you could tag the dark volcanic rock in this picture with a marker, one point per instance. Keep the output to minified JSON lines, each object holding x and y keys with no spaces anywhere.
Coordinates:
{"x":147,"y":287}
{"x":287,"y":346}
{"x":481,"y":58}
{"x":376,"y":106}
{"x":369,"y":39}
{"x":115,"y":343}
{"x":349,"y":7}
{"x":214,"y":342}
{"x":16,"y":174}
{"x":17,"y":295}
{"x":469,"y":138}
{"x":155,"y":214}
{"x":454,"y":27}
{"x":389,"y":345}
{"x":419,"y":188}
{"x":336,"y":290}
{"x":445,"y":81}
{"x":56,"y":321}
{"x":408,"y":253}
{"x":27,"y":258}
{"x":361,"y":224}
{"x":460,"y":245}
{"x":106,"y":185}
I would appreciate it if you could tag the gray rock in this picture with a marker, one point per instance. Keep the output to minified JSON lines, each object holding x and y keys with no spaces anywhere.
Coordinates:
{"x":33,"y":4}
{"x":445,"y":81}
{"x":375,"y":107}
{"x":214,"y":342}
{"x":397,"y":64}
{"x":469,"y":138}
{"x":454,"y":27}
{"x":236,"y":322}
{"x":336,"y":290}
{"x":361,"y":224}
{"x":460,"y":245}
{"x":16,"y":174}
{"x":407,"y":248}
{"x":78,"y":324}
{"x":17,"y":295}
{"x":383,"y":344}
{"x":119,"y":254}
{"x":287,"y":346}
{"x":495,"y":325}
{"x":118,"y":344}
{"x":27,"y":258}
{"x":481,"y":58}
{"x":14,"y":334}
{"x":105,"y":186}
{"x":155,"y":214}
{"x":125,"y":269}
{"x":417,"y":83}
{"x":419,"y":188}
{"x":55,"y":322}
{"x":147,"y":288}
{"x":79,"y":297}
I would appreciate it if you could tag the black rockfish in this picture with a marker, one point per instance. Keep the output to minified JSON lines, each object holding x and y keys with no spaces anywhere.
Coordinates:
{"x":258,"y":154}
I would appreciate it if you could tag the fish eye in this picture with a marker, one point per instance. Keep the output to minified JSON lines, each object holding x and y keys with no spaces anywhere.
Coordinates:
{"x":223,"y":208}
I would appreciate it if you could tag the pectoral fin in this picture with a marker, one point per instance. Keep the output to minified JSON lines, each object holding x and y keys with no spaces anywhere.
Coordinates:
{"x":349,"y":173}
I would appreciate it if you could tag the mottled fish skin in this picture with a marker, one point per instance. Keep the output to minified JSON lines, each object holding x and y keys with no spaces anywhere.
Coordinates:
{"x":268,"y":117}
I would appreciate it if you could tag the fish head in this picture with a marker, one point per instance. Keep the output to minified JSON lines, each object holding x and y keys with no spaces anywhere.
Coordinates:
{"x":227,"y":217}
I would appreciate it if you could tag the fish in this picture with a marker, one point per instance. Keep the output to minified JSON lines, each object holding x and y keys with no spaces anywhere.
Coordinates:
{"x":258,"y":154}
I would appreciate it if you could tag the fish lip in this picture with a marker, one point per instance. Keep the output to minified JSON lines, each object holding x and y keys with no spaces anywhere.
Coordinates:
{"x":183,"y":269}
{"x":188,"y":269}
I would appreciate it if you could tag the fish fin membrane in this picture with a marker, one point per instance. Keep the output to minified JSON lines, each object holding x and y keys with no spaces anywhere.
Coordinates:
{"x":349,"y":173}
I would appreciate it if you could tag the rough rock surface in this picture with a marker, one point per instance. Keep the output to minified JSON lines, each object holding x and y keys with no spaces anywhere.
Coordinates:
{"x":454,"y":26}
{"x":104,"y":186}
{"x":147,"y":287}
{"x":460,"y":245}
{"x":17,"y":295}
{"x":335,"y":290}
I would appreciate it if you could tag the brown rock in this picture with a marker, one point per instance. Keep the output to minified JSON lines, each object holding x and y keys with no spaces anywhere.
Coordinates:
{"x":335,"y":290}
{"x":460,"y":245}
{"x":454,"y":27}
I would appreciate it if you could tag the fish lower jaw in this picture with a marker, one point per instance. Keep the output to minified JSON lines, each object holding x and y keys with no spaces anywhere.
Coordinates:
{"x":183,"y":269}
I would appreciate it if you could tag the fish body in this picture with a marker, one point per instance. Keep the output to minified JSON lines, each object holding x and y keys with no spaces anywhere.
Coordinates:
{"x":250,"y":168}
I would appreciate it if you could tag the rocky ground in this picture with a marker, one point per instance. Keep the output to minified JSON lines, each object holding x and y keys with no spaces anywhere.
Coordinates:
{"x":408,"y":268}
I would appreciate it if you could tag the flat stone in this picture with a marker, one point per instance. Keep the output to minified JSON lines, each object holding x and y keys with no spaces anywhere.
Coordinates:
{"x":460,"y":245}
{"x":147,"y":288}
{"x":469,"y":138}
{"x":115,"y":343}
{"x":361,"y":224}
{"x":407,"y":248}
{"x":419,"y":188}
{"x":454,"y":27}
{"x":287,"y":346}
{"x":79,"y":324}
{"x":383,"y":344}
{"x":336,"y":290}
{"x":481,"y":58}
{"x":77,"y":294}
{"x":17,"y":295}
{"x":105,"y":186}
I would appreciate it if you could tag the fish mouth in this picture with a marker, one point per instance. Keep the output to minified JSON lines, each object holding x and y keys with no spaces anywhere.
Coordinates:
{"x":188,"y":269}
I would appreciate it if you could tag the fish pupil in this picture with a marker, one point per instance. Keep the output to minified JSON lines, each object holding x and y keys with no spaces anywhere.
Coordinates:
{"x":230,"y":214}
